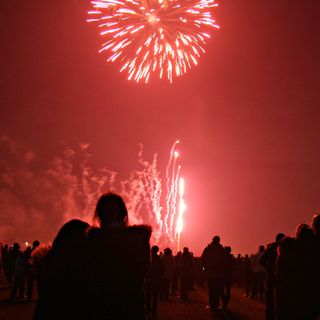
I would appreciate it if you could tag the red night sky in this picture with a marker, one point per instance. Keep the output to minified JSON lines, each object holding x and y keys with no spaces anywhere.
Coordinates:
{"x":248,"y":117}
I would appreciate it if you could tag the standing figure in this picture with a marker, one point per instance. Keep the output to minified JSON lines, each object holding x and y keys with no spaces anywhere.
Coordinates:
{"x":268,"y":261}
{"x":59,"y":272}
{"x":287,"y":305}
{"x":168,"y":264}
{"x":230,"y":267}
{"x":258,"y":274}
{"x":30,"y":268}
{"x":316,"y":296}
{"x":118,"y":260}
{"x":247,"y":275}
{"x":19,"y":272}
{"x":186,"y":273}
{"x":175,"y":274}
{"x":214,"y":262}
{"x":153,"y":282}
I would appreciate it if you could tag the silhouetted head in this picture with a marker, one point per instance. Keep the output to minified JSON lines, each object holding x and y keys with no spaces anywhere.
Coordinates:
{"x":227,"y":249}
{"x":167,"y":251}
{"x":261,"y":248}
{"x":304,"y":232}
{"x":287,"y":246}
{"x":111,"y":210}
{"x":70,"y":235}
{"x":216,"y":240}
{"x":28,"y":251}
{"x":154,"y":249}
{"x":279,"y":236}
{"x":16,"y":246}
{"x":185,"y":250}
{"x":35,"y":244}
{"x":316,"y":224}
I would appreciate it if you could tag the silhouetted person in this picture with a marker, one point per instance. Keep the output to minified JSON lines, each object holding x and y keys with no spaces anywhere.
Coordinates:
{"x":247,"y":275}
{"x":59,"y":273}
{"x":118,"y":261}
{"x":286,"y":286}
{"x":168,"y":264}
{"x":19,"y":272}
{"x":258,"y":274}
{"x":239,"y":273}
{"x":186,"y":273}
{"x":199,"y":272}
{"x":30,"y":268}
{"x":268,"y":261}
{"x":4,"y":261}
{"x":153,"y":281}
{"x":316,"y":231}
{"x":175,"y":282}
{"x":214,"y":262}
{"x":229,"y":269}
{"x":306,"y":272}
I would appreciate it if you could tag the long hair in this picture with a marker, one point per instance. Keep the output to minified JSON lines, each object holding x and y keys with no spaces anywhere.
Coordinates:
{"x":111,"y":209}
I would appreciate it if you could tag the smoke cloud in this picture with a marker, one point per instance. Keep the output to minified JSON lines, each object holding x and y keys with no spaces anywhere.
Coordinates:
{"x":35,"y":200}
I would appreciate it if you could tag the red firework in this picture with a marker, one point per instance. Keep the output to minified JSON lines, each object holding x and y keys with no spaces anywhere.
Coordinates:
{"x":165,"y":37}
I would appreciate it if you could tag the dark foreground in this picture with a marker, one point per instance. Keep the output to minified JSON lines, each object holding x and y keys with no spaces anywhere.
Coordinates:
{"x":241,"y":308}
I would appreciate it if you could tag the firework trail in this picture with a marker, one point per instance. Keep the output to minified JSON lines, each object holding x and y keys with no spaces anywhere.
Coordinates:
{"x":165,"y":37}
{"x":143,"y":194}
{"x":171,"y":179}
{"x":182,"y":208}
{"x":68,"y":187}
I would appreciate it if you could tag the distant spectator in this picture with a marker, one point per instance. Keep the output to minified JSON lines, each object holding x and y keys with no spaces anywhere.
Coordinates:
{"x":186,"y":273}
{"x":316,"y":290}
{"x":175,"y":273}
{"x":229,"y":270}
{"x":214,"y":262}
{"x":258,"y":274}
{"x":153,"y":282}
{"x":306,"y":272}
{"x":19,"y":272}
{"x":268,"y":261}
{"x":247,"y":275}
{"x":168,"y":263}
{"x":286,"y":287}
{"x":30,"y":268}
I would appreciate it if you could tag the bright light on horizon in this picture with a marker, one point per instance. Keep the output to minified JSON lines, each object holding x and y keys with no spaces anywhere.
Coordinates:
{"x":182,"y":208}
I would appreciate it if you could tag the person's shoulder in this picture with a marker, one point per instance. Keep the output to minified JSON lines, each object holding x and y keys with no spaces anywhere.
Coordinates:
{"x":140,"y":231}
{"x":93,"y":232}
{"x":41,"y":255}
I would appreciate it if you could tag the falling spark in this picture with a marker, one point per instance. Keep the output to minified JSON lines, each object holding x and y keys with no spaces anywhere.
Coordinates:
{"x":165,"y":37}
{"x":152,"y":197}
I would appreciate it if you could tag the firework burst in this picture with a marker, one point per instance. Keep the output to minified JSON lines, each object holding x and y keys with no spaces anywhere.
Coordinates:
{"x":164,"y":37}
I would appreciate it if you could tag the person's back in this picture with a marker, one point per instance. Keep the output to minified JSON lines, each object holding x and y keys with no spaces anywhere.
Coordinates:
{"x":118,"y":258}
{"x":306,"y":271}
{"x":286,"y":301}
{"x":214,"y":260}
{"x":186,"y":273}
{"x":316,"y":230}
{"x":155,"y":272}
{"x":268,"y":261}
{"x":60,"y":273}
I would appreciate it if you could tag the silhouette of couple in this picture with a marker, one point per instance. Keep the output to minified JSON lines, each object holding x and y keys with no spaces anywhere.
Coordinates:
{"x":95,"y":272}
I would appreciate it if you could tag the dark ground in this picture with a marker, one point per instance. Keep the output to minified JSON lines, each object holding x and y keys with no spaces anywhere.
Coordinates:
{"x":241,"y":308}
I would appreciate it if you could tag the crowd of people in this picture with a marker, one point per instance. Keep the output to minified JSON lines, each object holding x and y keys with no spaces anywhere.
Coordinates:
{"x":109,"y":271}
{"x":17,"y":267}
